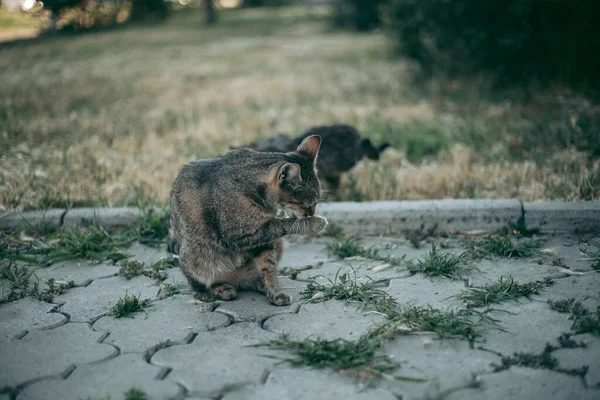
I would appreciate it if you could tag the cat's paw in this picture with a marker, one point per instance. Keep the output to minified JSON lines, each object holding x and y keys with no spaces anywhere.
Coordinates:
{"x":279,"y":299}
{"x":205,"y":297}
{"x":223,"y":291}
{"x":316,"y":224}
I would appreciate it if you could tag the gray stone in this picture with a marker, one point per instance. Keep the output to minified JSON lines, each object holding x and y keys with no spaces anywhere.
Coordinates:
{"x":107,"y":379}
{"x":50,"y":353}
{"x":584,"y":288}
{"x":303,"y":383}
{"x":27,"y":315}
{"x":445,"y":363}
{"x":49,"y":219}
{"x":299,"y":255}
{"x":393,"y":217}
{"x":218,"y":358}
{"x":529,"y":326}
{"x":327,"y":320}
{"x":255,"y":307}
{"x":578,"y":357}
{"x":526,"y":383}
{"x":80,"y":271}
{"x":107,"y":217}
{"x":148,"y":254}
{"x":361,"y":269}
{"x":85,"y":304}
{"x":577,"y":217}
{"x":489,"y":271}
{"x":173,"y":319}
{"x":423,"y":291}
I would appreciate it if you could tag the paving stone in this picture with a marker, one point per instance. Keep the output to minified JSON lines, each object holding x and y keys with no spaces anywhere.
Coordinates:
{"x":148,"y":254}
{"x":301,"y":254}
{"x":218,"y":358}
{"x":526,"y":383}
{"x":327,"y":320}
{"x":529,"y":325}
{"x":87,"y":303}
{"x":584,"y":288}
{"x":80,"y":271}
{"x":50,"y":352}
{"x":420,"y":290}
{"x":447,"y":363}
{"x":361,"y":268}
{"x":27,"y":315}
{"x":107,"y":379}
{"x":255,"y":307}
{"x":576,"y":358}
{"x":174,"y":319}
{"x":489,"y":271}
{"x":571,"y":251}
{"x":293,"y":384}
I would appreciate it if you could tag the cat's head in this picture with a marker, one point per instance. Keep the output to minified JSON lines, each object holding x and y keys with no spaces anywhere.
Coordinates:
{"x":297,"y":186}
{"x":371,"y":151}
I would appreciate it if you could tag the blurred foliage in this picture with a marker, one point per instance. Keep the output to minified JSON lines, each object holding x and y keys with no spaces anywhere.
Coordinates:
{"x":518,"y":40}
{"x":359,"y":15}
{"x":149,"y":9}
{"x":267,"y":3}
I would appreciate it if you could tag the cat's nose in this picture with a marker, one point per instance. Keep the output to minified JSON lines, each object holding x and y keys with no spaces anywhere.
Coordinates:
{"x":310,"y":210}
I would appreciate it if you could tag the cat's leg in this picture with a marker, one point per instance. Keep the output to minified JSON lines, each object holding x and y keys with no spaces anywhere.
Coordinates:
{"x":223,"y":291}
{"x":266,"y":262}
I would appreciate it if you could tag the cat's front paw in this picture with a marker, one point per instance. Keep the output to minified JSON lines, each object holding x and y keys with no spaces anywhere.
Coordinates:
{"x":316,"y":224}
{"x":223,"y":291}
{"x":279,"y":299}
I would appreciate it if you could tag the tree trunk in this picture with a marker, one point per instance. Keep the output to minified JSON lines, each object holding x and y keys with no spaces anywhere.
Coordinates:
{"x":210,"y":12}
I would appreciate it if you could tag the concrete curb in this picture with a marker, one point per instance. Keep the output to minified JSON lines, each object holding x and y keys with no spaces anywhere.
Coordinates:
{"x":377,"y":217}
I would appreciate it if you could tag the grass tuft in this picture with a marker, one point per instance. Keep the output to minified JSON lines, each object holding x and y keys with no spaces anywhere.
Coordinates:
{"x":594,"y":258}
{"x":504,"y":289}
{"x":440,"y":264}
{"x":359,"y":359}
{"x":351,"y":247}
{"x":344,"y":287}
{"x":128,"y":305}
{"x":135,"y":393}
{"x":152,"y":228}
{"x":131,"y":268}
{"x":169,"y":290}
{"x":502,"y":246}
{"x":584,"y":319}
{"x":293,"y":272}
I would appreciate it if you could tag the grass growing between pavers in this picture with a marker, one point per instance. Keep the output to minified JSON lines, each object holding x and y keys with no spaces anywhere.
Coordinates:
{"x":19,"y":282}
{"x":363,"y":359}
{"x":157,"y":270}
{"x":170,"y":290}
{"x":502,"y":246}
{"x":504,"y":289}
{"x":594,"y":258}
{"x":544,"y":359}
{"x":436,"y":263}
{"x":584,"y":319}
{"x":128,"y":305}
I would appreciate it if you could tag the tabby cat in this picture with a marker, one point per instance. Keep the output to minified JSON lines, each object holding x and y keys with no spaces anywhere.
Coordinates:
{"x":341,"y":149}
{"x":224,"y":217}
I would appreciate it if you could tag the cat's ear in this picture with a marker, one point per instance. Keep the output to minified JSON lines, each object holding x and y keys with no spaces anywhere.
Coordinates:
{"x":310,"y":146}
{"x":288,"y":172}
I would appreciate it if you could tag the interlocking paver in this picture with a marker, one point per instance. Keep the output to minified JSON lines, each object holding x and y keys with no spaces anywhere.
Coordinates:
{"x":327,"y":320}
{"x":218,"y":358}
{"x":51,"y":352}
{"x":219,"y":355}
{"x":111,"y":378}
{"x":255,"y":307}
{"x":527,"y":383}
{"x":87,"y":303}
{"x":79,"y":271}
{"x":575,"y":358}
{"x":26,"y":315}
{"x":303,"y":383}
{"x":446,"y":363}
{"x":173,"y":319}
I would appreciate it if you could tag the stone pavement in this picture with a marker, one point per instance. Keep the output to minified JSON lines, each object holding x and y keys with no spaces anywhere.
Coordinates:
{"x":182,"y":348}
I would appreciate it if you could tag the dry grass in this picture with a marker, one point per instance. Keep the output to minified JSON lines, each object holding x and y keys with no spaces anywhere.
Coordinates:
{"x":87,"y":119}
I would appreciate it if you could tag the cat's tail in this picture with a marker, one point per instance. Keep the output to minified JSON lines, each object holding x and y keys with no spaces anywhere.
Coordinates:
{"x":173,"y":246}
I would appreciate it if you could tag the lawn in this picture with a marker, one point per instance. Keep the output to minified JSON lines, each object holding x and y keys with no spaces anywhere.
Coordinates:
{"x":106,"y":117}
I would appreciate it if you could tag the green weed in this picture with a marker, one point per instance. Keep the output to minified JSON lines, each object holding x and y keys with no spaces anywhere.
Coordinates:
{"x":135,"y":393}
{"x":440,"y":264}
{"x":584,"y":319}
{"x":345,"y":287}
{"x":351,"y":247}
{"x":593,"y":257}
{"x":152,"y":228}
{"x":169,"y":290}
{"x":293,"y":272}
{"x":16,"y":279}
{"x":504,"y":289}
{"x":502,"y":246}
{"x":54,"y":289}
{"x":128,"y":305}
{"x":131,"y":268}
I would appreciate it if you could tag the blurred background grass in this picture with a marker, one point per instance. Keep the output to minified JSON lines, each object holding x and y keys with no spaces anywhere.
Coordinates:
{"x":105,"y":110}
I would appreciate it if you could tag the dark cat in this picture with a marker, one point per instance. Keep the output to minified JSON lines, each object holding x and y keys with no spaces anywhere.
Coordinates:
{"x":341,"y":148}
{"x":223,"y":217}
